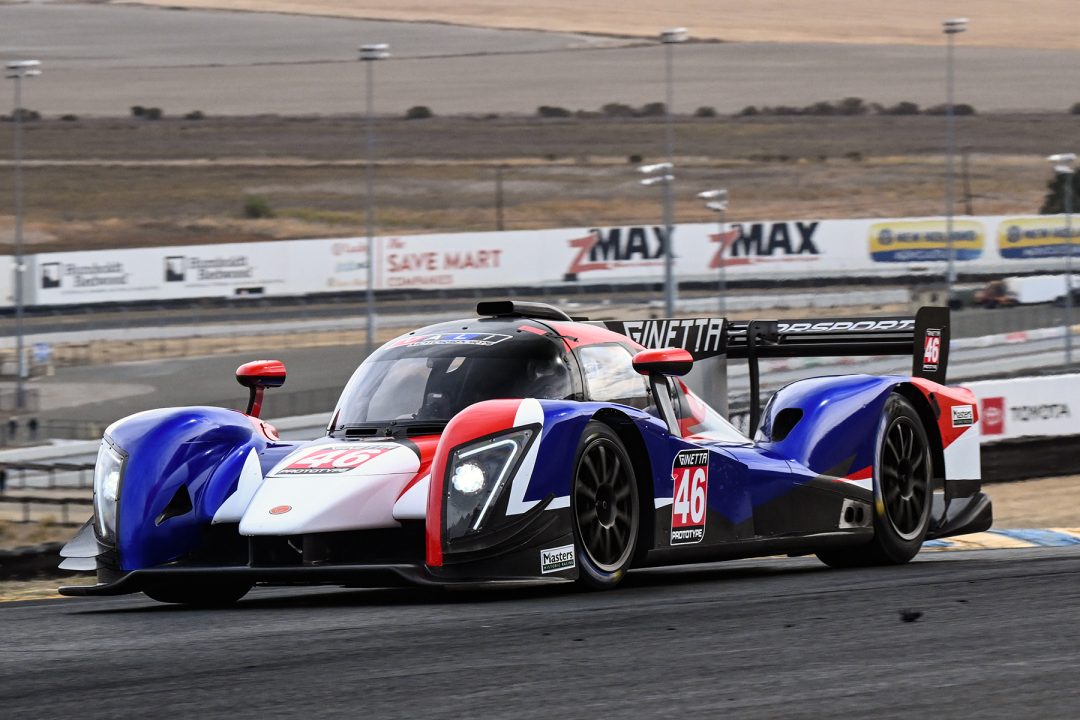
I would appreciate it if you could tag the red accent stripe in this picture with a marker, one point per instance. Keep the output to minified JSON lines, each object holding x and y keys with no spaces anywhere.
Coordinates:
{"x":426,"y":444}
{"x":578,"y":334}
{"x":534,"y":330}
{"x":865,"y":474}
{"x":483,"y":418}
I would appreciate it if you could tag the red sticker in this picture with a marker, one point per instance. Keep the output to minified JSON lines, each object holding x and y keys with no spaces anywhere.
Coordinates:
{"x":690,"y":471}
{"x":993,"y":416}
{"x":932,"y":350}
{"x":280,"y":509}
{"x":320,"y":461}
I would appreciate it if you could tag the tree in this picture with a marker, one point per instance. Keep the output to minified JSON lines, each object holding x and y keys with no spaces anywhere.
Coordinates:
{"x":419,"y":112}
{"x":1055,"y":195}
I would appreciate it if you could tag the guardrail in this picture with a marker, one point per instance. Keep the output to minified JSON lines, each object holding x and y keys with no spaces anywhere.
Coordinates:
{"x":64,"y":503}
{"x":21,"y":475}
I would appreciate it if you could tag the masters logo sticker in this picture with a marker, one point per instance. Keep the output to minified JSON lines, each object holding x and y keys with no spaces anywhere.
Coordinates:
{"x":690,"y":471}
{"x":963,"y":415}
{"x":555,"y":559}
{"x":924,"y":240}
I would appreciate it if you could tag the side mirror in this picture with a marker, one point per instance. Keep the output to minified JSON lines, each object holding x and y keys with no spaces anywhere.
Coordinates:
{"x":257,"y":376}
{"x":663,"y":361}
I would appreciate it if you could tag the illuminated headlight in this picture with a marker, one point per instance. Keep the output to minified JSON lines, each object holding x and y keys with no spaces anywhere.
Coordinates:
{"x":107,"y":474}
{"x":478,"y":475}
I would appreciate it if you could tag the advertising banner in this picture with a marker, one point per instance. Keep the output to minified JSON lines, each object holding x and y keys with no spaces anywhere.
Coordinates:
{"x":531,"y":258}
{"x":1028,"y":407}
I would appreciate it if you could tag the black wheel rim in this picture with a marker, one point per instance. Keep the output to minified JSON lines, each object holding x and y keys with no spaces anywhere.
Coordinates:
{"x":905,"y":478}
{"x":605,"y":505}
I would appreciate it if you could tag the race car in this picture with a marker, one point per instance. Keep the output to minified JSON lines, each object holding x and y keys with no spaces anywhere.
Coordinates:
{"x":524,"y":445}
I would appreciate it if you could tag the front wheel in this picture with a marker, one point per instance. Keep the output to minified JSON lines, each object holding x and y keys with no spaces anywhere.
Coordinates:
{"x":902,"y":491}
{"x":605,"y":508}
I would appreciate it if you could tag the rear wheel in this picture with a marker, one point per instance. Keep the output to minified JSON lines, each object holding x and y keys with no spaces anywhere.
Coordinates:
{"x":605,"y":508}
{"x":902,"y":492}
{"x":212,"y":594}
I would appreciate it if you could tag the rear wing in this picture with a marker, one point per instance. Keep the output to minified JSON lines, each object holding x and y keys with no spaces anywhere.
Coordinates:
{"x":925,"y":338}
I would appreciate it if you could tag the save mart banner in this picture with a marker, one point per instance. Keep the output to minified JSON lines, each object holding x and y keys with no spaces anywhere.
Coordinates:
{"x":529,"y":258}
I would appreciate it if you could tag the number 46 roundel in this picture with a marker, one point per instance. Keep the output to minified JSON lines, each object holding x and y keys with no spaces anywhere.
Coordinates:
{"x":690,"y":471}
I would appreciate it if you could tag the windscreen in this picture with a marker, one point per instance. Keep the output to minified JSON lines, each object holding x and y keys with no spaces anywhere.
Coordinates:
{"x":433,"y":381}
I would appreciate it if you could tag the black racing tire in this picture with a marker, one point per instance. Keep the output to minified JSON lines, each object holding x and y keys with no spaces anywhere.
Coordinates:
{"x":903,"y":491}
{"x":604,"y":507}
{"x":206,"y":594}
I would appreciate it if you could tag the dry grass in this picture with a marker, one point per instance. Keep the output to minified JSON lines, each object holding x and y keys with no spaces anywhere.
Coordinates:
{"x":995,"y":23}
{"x":89,"y":185}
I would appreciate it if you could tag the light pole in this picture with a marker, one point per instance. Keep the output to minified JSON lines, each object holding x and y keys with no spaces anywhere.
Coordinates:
{"x":661,"y":174}
{"x":16,"y":71}
{"x":670,"y":38}
{"x":368,"y":55}
{"x":1065,"y":165}
{"x":951,"y":28}
{"x":717,"y":201}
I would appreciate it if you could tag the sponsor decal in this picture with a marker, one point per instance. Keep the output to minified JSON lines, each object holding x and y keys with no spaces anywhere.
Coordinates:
{"x":430,"y":268}
{"x":191,"y":268}
{"x":690,"y":471}
{"x":702,"y":337}
{"x":963,"y":415}
{"x":451,"y":339}
{"x":755,"y":243}
{"x":932,"y":355}
{"x":89,"y":276}
{"x":280,"y":509}
{"x":614,"y":248}
{"x":556,"y":559}
{"x":925,"y":240}
{"x":832,"y":326}
{"x":1031,"y":413}
{"x":334,"y":459}
{"x":1041,"y":237}
{"x":993,"y":416}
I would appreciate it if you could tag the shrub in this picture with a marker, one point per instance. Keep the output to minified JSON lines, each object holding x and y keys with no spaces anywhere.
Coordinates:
{"x":653,"y":109}
{"x":958,"y":109}
{"x":617,"y":110}
{"x":852,"y":106}
{"x":901,"y":108}
{"x":194,"y":115}
{"x":137,"y":111}
{"x":551,"y":111}
{"x":748,"y":111}
{"x":854,"y":156}
{"x":256,"y":206}
{"x":69,"y":117}
{"x":152,"y":113}
{"x":819,"y":108}
{"x":419,"y":112}
{"x":705,"y":111}
{"x":634,"y":159}
{"x":1053,"y":203}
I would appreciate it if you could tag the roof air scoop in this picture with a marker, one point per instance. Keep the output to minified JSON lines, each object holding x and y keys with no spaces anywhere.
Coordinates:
{"x":514,"y":308}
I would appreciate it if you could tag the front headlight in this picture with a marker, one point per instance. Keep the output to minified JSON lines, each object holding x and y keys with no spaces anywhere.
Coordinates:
{"x":107,"y":474}
{"x":478,"y":472}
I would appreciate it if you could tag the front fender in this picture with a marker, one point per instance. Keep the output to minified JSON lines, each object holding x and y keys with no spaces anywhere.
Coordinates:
{"x":200,"y":450}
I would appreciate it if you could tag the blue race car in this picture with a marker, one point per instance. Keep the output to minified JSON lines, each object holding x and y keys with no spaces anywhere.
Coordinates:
{"x":525,"y":445}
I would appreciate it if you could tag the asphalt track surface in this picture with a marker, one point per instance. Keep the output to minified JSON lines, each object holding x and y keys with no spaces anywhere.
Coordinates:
{"x":101,"y":59}
{"x":997,"y":638}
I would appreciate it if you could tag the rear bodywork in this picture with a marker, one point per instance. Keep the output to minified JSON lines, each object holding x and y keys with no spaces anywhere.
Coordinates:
{"x":207,"y":492}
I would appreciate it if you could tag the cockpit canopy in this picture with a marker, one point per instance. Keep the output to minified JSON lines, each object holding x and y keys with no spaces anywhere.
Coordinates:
{"x":428,"y":377}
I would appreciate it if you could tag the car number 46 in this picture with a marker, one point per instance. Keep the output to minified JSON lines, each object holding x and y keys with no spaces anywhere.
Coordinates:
{"x":690,"y":473}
